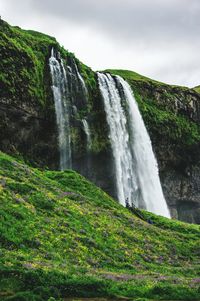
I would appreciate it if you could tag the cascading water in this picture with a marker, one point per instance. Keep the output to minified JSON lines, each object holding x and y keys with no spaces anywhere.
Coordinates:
{"x":87,"y":133}
{"x":126,"y":181}
{"x":59,"y":87}
{"x":146,"y":163}
{"x":136,"y":167}
{"x":69,"y":90}
{"x":81,"y":80}
{"x":77,"y":89}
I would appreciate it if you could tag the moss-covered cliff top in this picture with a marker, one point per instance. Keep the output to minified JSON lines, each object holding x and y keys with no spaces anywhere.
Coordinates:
{"x":197,"y":89}
{"x":62,"y":235}
{"x":134,"y":76}
{"x":24,"y":72}
{"x":23,"y":60}
{"x":131,"y":75}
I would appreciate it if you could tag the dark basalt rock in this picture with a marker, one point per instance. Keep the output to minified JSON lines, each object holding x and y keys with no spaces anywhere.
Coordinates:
{"x":179,"y":166}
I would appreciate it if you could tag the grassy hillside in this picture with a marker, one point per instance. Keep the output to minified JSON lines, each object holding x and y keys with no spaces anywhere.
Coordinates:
{"x":197,"y":89}
{"x":62,"y":236}
{"x":134,"y":76}
{"x":131,"y":75}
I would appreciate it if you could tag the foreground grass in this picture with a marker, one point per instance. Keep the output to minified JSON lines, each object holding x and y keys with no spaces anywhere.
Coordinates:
{"x":62,"y":236}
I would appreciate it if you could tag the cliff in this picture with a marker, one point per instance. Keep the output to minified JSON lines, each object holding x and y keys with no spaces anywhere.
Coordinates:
{"x":28,"y":122}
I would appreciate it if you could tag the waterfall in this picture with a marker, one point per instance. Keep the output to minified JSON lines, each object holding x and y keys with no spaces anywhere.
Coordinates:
{"x":81,"y":80}
{"x":77,"y":89}
{"x":87,"y":133}
{"x":69,"y":91}
{"x":126,"y":181}
{"x":59,"y":87}
{"x":136,"y":167}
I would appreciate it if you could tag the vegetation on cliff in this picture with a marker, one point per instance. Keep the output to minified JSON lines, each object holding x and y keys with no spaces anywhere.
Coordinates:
{"x":197,"y":89}
{"x":23,"y":64}
{"x":62,"y":236}
{"x":24,"y":67}
{"x":25,"y":84}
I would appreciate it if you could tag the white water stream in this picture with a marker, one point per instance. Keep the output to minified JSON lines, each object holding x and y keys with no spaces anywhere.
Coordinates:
{"x":87,"y":133}
{"x":136,"y":167}
{"x":59,"y":87}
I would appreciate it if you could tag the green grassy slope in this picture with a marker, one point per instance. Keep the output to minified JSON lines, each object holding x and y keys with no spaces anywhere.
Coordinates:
{"x":62,"y":236}
{"x":197,"y":89}
{"x":131,"y":75}
{"x":134,"y":76}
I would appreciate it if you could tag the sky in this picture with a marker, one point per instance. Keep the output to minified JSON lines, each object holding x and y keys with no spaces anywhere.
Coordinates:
{"x":157,"y":38}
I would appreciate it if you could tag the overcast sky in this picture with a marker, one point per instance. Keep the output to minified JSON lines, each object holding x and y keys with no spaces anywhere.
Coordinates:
{"x":157,"y":38}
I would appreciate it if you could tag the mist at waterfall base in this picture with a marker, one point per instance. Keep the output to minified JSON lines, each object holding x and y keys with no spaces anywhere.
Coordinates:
{"x":136,"y":170}
{"x":136,"y":167}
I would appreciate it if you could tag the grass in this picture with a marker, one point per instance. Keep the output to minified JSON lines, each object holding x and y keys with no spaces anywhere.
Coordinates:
{"x":24,"y":56}
{"x":134,"y":76}
{"x":62,"y":236}
{"x":197,"y":89}
{"x":131,"y":75}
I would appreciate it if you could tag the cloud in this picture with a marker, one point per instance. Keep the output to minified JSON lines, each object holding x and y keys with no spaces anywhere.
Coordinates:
{"x":156,"y":37}
{"x":128,"y":18}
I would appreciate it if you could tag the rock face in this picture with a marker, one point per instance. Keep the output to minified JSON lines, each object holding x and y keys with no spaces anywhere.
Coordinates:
{"x":28,"y":123}
{"x":29,"y":133}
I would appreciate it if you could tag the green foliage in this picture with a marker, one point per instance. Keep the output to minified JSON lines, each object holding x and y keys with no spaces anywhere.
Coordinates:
{"x":23,"y":63}
{"x":24,"y":296}
{"x":197,"y":89}
{"x":24,"y":67}
{"x":175,"y":128}
{"x":63,"y":236}
{"x":131,"y":75}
